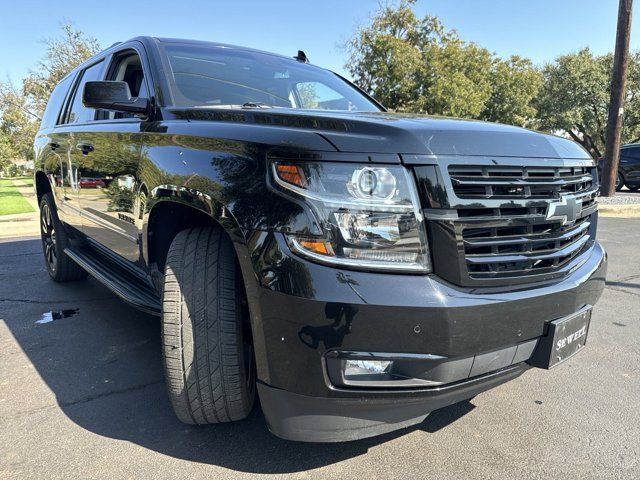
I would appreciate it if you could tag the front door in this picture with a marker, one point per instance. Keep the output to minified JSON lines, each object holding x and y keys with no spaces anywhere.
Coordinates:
{"x":109,"y":152}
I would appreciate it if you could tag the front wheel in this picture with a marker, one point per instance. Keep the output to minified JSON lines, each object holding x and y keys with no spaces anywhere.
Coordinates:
{"x":206,"y":337}
{"x":619,"y":182}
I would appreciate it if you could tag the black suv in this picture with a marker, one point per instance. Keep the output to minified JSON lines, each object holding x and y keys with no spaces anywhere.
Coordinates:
{"x":628,"y":168}
{"x":358,"y":268}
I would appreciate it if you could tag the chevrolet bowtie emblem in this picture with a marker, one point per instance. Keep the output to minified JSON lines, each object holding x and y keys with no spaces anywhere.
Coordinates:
{"x":566,"y":209}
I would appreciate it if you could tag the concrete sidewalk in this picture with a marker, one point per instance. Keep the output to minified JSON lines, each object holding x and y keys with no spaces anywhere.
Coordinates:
{"x":625,"y":204}
{"x":22,"y":224}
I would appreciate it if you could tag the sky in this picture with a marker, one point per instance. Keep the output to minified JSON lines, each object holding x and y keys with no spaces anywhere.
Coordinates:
{"x":538,"y":29}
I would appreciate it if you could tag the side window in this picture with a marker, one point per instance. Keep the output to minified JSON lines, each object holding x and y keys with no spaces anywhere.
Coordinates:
{"x":127,"y":67}
{"x":317,"y":95}
{"x":54,"y":105}
{"x":77,"y":112}
{"x":633,"y":152}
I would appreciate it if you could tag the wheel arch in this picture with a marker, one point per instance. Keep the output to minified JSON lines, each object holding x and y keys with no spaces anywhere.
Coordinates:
{"x":166,"y":218}
{"x":42,"y":184}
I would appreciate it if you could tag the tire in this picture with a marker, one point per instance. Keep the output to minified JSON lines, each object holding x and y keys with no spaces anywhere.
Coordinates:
{"x":619,"y":182}
{"x":206,"y":337}
{"x":54,"y":240}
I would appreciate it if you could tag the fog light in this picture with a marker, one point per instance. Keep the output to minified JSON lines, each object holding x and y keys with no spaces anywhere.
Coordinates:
{"x":366,"y":367}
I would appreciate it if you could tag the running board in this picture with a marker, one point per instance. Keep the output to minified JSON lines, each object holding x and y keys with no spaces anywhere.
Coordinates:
{"x":131,"y":288}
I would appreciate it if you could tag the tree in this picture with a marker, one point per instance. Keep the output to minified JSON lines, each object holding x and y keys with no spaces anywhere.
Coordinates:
{"x":62,"y":55}
{"x":7,"y":151}
{"x":21,"y":109}
{"x":416,"y":65}
{"x":574,"y":98}
{"x":17,"y":123}
{"x":515,"y":83}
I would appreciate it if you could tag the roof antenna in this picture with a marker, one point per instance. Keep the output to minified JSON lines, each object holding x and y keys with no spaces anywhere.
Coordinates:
{"x":301,"y":57}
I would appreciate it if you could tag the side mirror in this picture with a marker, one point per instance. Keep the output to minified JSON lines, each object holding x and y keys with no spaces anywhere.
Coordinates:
{"x":112,"y":95}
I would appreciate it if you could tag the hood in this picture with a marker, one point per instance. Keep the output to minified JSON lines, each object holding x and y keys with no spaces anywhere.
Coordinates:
{"x":383,"y":132}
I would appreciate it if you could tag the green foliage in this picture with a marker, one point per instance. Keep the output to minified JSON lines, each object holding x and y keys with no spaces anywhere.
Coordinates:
{"x":120,"y":199}
{"x":515,"y":83}
{"x":416,"y":65}
{"x":21,"y":108}
{"x":62,"y":55}
{"x":575,"y":98}
{"x":308,"y":95}
{"x":18,"y":125}
{"x":7,"y":151}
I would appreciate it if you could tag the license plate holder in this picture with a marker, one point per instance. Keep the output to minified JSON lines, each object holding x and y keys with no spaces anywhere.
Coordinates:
{"x":565,"y":337}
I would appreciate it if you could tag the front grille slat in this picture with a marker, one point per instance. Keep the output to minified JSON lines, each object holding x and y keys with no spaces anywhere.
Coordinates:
{"x":531,"y":239}
{"x":518,"y":182}
{"x":461,"y":180}
{"x":524,"y":257}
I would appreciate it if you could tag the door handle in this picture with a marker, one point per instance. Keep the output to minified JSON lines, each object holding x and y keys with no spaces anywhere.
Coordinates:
{"x":85,"y":148}
{"x":53,"y":145}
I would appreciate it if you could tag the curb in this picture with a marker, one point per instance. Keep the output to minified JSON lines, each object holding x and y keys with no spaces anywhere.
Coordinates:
{"x":630,"y":210}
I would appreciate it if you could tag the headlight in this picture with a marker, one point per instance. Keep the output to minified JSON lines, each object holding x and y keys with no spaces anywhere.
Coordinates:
{"x":369,"y":215}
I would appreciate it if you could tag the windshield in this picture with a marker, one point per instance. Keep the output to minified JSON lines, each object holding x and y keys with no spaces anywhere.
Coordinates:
{"x":213,"y":76}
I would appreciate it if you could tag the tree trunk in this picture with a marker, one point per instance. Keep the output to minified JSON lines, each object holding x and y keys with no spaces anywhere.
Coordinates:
{"x":616,"y":101}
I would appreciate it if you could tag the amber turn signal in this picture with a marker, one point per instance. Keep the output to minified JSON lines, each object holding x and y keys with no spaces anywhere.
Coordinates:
{"x":291,"y":174}
{"x":315,"y":246}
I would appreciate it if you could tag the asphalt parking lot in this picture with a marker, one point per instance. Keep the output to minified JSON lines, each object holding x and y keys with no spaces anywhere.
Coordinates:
{"x":82,"y":396}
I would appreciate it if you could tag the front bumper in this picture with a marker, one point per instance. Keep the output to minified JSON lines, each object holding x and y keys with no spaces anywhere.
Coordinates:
{"x":340,"y":419}
{"x":307,"y":310}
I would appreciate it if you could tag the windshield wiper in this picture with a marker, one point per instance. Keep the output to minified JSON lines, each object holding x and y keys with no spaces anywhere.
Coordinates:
{"x":255,"y":105}
{"x":244,"y":105}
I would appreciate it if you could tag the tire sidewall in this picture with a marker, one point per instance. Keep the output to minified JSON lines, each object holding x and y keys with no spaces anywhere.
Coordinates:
{"x":184,"y":341}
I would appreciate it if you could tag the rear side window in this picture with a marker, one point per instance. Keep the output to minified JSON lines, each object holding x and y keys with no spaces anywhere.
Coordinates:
{"x":631,"y":152}
{"x":50,"y":117}
{"x":77,"y":112}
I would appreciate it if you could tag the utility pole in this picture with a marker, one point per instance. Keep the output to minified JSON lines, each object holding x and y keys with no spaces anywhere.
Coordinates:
{"x":616,"y":101}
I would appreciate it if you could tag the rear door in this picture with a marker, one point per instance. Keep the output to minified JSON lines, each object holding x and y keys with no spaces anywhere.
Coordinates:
{"x":51,"y":144}
{"x":71,"y":123}
{"x":110,"y":152}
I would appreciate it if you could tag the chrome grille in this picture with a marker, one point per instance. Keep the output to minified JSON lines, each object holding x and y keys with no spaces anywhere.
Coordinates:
{"x":520,"y":250}
{"x":493,"y":181}
{"x":491,"y":223}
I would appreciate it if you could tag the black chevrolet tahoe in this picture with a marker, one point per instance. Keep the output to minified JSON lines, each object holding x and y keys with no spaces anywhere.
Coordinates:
{"x":355,"y":269}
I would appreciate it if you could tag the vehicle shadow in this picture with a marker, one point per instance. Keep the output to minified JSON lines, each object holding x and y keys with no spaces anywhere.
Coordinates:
{"x":103,"y":363}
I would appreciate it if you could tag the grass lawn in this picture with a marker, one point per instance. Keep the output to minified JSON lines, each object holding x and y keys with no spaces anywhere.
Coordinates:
{"x":11,"y":201}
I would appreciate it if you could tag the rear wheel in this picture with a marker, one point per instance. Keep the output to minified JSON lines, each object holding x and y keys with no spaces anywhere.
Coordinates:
{"x":207,"y":346}
{"x":619,"y":182}
{"x":54,"y":240}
